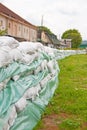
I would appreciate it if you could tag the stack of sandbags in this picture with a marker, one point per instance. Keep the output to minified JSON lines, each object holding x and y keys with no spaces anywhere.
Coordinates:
{"x":28,"y":77}
{"x":60,"y":54}
{"x":25,"y":70}
{"x":8,"y":41}
{"x":6,"y":45}
{"x":13,"y":51}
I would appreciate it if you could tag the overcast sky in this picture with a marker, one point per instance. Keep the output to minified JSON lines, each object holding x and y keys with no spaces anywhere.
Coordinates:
{"x":58,"y":15}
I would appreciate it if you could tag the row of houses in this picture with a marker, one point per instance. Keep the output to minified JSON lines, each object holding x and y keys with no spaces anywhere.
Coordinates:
{"x":22,"y":30}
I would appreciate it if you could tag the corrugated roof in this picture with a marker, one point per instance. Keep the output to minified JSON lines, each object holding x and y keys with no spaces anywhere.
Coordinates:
{"x":10,"y":13}
{"x":53,"y":38}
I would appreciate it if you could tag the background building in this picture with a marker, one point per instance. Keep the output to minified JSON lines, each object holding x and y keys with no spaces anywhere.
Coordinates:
{"x":48,"y":39}
{"x":65,"y":43}
{"x":16,"y":26}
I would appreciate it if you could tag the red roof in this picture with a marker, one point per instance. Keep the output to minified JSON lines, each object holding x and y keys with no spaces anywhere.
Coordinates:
{"x":8,"y":12}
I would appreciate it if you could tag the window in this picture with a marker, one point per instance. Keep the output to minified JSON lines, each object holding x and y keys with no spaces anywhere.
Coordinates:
{"x":27,"y":30}
{"x":1,"y":23}
{"x":9,"y":25}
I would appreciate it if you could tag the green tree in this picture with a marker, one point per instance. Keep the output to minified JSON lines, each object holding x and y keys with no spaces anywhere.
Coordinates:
{"x":74,"y":35}
{"x":3,"y":32}
{"x":43,"y":28}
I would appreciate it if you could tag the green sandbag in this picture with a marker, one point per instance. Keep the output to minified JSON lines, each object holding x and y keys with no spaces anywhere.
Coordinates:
{"x":28,"y":118}
{"x":15,"y":90}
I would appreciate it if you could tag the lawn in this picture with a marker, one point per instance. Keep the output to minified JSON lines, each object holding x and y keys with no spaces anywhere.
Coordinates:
{"x":67,"y":110}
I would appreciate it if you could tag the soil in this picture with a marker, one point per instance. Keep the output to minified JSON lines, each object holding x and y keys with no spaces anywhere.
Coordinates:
{"x":51,"y":122}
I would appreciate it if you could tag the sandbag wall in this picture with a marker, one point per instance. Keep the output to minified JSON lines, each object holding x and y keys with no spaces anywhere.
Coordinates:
{"x":28,"y":79}
{"x":60,"y":54}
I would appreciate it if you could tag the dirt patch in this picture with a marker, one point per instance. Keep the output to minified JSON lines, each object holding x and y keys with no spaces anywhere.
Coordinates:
{"x":84,"y":126}
{"x":52,"y":122}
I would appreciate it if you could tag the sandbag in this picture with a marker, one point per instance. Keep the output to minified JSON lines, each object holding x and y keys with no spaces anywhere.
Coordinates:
{"x":15,"y":54}
{"x":44,"y":65}
{"x":4,"y":83}
{"x":12,"y":116}
{"x":29,"y":47}
{"x":45,"y":80}
{"x":32,"y":84}
{"x":37,"y":70}
{"x":20,"y":104}
{"x":8,"y":41}
{"x":27,"y":59}
{"x":1,"y":85}
{"x":49,"y":51}
{"x":6,"y":127}
{"x":4,"y":56}
{"x":16,"y":77}
{"x":51,"y":66}
{"x":32,"y":92}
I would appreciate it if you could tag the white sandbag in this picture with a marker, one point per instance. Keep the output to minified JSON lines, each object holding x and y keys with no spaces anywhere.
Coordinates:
{"x":4,"y":83}
{"x":16,"y":77}
{"x":6,"y":127}
{"x":51,"y":66}
{"x":37,"y":70}
{"x":32,"y":92}
{"x":8,"y":41}
{"x":45,"y":80}
{"x":20,"y":104}
{"x":4,"y":57}
{"x":29,"y":47}
{"x":15,"y":54}
{"x":27,"y":59}
{"x":6,"y":80}
{"x":39,"y":46}
{"x":49,"y":51}
{"x":44,"y":65}
{"x":56,"y":67}
{"x":12,"y":116}
{"x":5,"y":48}
{"x":1,"y":85}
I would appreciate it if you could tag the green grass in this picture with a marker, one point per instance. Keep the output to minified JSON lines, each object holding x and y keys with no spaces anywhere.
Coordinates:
{"x":70,"y":97}
{"x":69,"y":124}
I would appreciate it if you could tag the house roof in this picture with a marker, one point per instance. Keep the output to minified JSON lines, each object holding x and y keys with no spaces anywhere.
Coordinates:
{"x":53,"y":38}
{"x":11,"y":14}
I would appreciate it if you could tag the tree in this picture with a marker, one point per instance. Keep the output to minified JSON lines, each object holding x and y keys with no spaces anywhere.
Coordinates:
{"x":3,"y":32}
{"x":74,"y":35}
{"x":43,"y":28}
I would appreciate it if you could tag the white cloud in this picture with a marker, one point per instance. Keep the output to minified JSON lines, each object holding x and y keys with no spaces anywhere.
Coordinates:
{"x":58,"y":15}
